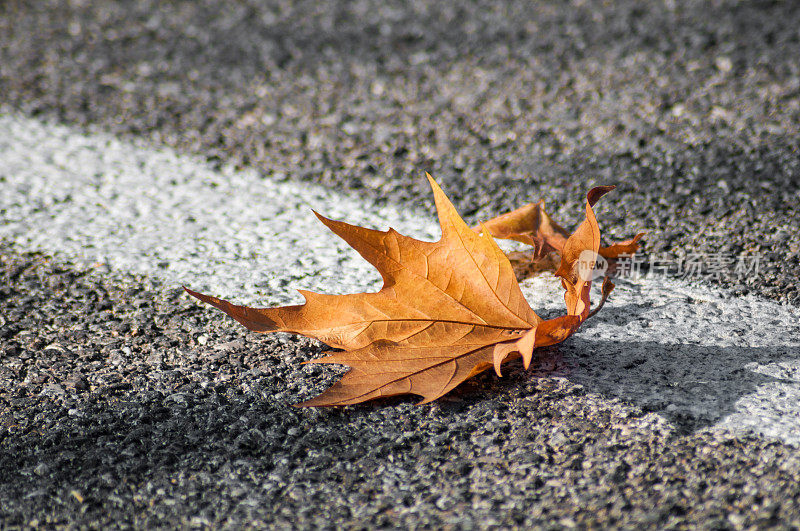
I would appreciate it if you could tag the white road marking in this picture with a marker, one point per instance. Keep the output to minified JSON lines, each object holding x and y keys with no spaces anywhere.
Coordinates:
{"x":693,"y":355}
{"x":152,"y":211}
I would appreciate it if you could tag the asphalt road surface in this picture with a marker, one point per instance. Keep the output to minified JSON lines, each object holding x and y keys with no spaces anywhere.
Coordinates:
{"x":144,"y":146}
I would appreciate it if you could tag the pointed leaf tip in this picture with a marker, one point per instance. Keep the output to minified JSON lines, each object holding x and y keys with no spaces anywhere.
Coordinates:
{"x":499,"y":354}
{"x":193,"y":293}
{"x":324,"y":219}
{"x":438,"y":193}
{"x":597,"y":192}
{"x":525,"y":344}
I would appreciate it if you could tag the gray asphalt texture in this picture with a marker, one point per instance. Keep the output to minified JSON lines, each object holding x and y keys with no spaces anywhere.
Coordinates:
{"x":123,"y":403}
{"x":692,"y":108}
{"x":156,"y":412}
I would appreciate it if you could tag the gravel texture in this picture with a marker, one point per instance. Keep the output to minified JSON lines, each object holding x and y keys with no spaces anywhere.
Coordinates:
{"x":692,"y":107}
{"x":696,"y":356}
{"x":122,"y":403}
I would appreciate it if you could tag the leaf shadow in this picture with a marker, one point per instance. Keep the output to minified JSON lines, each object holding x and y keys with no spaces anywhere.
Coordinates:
{"x":693,"y":386}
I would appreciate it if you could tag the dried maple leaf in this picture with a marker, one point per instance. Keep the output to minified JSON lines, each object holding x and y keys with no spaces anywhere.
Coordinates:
{"x":532,"y":225}
{"x":447,"y":310}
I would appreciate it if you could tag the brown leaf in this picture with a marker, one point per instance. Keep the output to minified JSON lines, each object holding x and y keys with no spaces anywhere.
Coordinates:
{"x":577,"y":263}
{"x":447,"y":311}
{"x":532,"y":225}
{"x":580,"y":251}
{"x":628,"y":247}
{"x":526,"y":265}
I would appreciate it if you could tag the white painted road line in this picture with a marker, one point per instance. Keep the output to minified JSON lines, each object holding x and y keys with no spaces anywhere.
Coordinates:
{"x":693,"y":355}
{"x":154,"y":212}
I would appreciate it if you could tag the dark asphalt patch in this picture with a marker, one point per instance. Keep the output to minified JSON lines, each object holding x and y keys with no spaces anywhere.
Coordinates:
{"x":692,"y":108}
{"x":123,"y":403}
